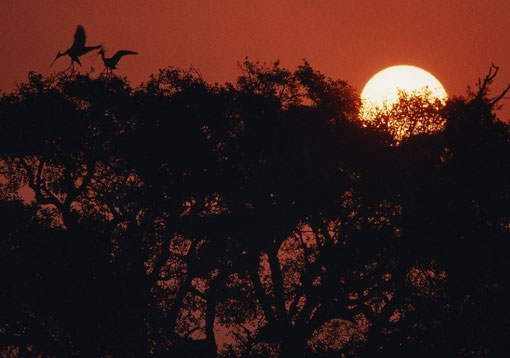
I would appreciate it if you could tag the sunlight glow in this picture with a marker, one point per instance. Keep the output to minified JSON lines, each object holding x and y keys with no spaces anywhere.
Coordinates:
{"x":382,"y":90}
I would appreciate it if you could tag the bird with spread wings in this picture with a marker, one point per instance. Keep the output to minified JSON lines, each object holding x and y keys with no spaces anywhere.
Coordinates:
{"x":77,"y":49}
{"x":110,"y":63}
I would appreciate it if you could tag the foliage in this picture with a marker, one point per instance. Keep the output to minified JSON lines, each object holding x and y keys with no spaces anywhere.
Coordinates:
{"x":413,"y":113}
{"x":255,"y":219}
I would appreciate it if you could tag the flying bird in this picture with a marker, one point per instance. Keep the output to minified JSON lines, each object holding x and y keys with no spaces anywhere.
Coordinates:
{"x":111,"y":63}
{"x":77,"y":49}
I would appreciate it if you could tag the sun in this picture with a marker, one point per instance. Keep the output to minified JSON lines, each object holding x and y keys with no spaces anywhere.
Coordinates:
{"x":383,"y":90}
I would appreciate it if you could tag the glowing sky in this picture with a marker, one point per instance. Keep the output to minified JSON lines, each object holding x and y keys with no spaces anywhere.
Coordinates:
{"x":348,"y":39}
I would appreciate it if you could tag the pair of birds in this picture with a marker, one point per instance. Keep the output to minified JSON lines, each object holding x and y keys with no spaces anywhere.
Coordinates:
{"x":78,"y":49}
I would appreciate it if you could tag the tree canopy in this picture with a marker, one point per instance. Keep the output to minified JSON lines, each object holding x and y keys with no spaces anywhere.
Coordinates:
{"x":261,"y":218}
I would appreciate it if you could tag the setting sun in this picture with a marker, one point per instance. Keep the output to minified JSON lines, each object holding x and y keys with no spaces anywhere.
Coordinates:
{"x":382,"y":90}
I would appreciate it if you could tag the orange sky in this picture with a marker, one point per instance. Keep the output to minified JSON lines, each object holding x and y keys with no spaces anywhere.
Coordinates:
{"x":456,"y":40}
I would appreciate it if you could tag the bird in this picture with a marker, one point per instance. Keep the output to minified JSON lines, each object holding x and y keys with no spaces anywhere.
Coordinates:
{"x":111,"y":63}
{"x":77,"y":49}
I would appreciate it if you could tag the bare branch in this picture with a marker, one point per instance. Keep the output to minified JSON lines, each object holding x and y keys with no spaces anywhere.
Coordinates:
{"x":500,"y":96}
{"x":483,"y":86}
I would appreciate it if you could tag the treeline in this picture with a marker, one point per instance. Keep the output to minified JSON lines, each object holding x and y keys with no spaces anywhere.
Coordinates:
{"x":256,"y":219}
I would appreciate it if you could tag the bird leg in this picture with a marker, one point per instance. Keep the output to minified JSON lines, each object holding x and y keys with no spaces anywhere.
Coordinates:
{"x":70,"y":67}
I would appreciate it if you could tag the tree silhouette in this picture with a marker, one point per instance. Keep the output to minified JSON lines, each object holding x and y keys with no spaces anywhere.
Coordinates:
{"x":255,"y":219}
{"x":413,"y":113}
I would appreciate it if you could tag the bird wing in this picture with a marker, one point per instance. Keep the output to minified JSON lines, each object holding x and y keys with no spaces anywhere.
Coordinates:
{"x":79,"y":37}
{"x":121,"y":53}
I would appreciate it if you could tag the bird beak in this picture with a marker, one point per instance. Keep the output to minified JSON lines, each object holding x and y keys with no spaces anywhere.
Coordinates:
{"x":58,"y":55}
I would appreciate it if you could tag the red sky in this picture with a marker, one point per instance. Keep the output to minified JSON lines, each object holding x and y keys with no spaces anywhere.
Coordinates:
{"x":456,"y":40}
